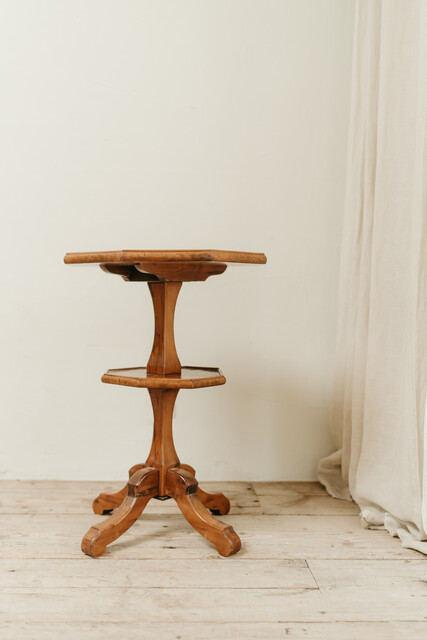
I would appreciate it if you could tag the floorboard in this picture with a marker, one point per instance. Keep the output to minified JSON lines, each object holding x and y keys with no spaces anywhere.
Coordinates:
{"x":307,"y":570}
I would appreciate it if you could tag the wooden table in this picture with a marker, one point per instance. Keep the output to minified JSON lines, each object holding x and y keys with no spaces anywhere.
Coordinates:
{"x":163,"y":476}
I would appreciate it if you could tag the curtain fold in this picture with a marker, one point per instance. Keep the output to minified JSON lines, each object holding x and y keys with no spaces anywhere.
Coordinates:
{"x":378,"y":413}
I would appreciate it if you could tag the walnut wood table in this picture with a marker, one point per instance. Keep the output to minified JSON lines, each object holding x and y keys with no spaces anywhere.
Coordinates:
{"x":163,"y":476}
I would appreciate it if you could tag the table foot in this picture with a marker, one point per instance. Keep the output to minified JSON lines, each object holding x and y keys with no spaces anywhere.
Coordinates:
{"x":217,"y":503}
{"x":106,"y":502}
{"x":142,"y":486}
{"x":182,"y":486}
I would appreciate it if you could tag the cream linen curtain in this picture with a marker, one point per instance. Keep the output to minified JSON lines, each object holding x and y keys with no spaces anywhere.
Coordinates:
{"x":378,"y":416}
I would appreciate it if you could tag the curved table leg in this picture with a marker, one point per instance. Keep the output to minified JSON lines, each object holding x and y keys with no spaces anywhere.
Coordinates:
{"x":106,"y":502}
{"x":188,"y":468}
{"x":142,"y":486}
{"x":182,"y":486}
{"x":217,"y":503}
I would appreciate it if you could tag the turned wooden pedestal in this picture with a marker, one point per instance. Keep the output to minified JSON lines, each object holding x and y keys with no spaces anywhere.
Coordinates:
{"x":163,"y":476}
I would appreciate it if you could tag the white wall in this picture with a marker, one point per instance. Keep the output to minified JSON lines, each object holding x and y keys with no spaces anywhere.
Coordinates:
{"x":152,"y":124}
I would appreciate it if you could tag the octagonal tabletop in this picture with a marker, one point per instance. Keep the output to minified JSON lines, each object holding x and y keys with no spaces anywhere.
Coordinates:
{"x":189,"y":378}
{"x":129,"y":257}
{"x":169,"y":265}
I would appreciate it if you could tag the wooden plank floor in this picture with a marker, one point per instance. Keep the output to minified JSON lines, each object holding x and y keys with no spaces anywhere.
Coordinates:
{"x":307,"y":569}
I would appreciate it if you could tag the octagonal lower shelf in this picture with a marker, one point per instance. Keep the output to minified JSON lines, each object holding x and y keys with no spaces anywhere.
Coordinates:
{"x":189,"y":378}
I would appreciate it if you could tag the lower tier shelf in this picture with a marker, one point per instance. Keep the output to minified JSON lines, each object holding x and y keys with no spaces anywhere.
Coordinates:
{"x":189,"y":378}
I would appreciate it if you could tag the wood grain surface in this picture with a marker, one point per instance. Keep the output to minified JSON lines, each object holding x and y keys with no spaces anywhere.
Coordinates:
{"x":311,"y":574}
{"x":151,"y":255}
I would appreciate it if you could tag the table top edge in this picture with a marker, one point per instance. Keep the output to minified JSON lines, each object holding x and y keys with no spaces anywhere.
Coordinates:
{"x":168,"y":255}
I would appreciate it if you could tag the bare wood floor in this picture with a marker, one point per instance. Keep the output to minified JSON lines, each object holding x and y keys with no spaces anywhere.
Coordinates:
{"x":307,"y":569}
